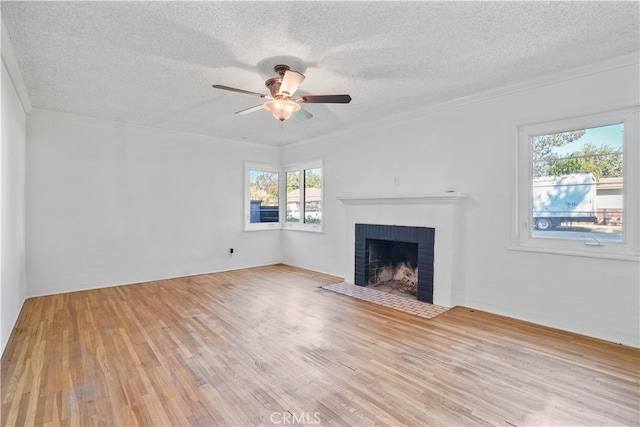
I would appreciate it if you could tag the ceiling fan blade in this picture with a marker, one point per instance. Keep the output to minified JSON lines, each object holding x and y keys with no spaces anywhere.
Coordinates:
{"x":250,"y":109}
{"x":303,"y":114}
{"x":325,"y":99}
{"x":233,"y":89}
{"x":291,"y":81}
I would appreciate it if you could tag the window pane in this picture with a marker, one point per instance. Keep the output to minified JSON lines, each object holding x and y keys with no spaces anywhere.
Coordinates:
{"x":293,"y":196}
{"x":577,"y":184}
{"x":313,"y":196}
{"x":264,"y":196}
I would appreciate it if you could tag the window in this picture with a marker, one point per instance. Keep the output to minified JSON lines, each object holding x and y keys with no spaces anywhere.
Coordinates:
{"x":577,"y":186}
{"x":291,"y":196}
{"x":313,"y":196}
{"x":262,"y":198}
{"x":304,"y":197}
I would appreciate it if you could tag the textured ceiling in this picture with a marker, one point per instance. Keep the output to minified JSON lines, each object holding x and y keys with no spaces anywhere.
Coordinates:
{"x":153,"y":63}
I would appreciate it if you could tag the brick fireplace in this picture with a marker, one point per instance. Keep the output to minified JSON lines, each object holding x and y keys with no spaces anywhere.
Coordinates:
{"x":388,"y":246}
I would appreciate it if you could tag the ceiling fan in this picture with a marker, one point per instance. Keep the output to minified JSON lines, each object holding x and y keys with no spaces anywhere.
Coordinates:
{"x":282,"y":89}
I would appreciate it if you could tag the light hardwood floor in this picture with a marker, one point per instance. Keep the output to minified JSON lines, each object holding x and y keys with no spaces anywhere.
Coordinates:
{"x":267,"y":346}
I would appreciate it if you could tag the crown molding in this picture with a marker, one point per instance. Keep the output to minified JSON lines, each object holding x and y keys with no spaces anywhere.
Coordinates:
{"x":610,"y":64}
{"x":13,"y":69}
{"x":74,"y":117}
{"x":630,"y":59}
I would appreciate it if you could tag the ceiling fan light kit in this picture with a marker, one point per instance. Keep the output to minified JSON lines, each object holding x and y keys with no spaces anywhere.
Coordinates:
{"x":281,"y":90}
{"x":281,"y":109}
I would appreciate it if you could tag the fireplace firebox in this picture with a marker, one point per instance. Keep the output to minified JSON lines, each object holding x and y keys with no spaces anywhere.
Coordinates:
{"x":388,"y":250}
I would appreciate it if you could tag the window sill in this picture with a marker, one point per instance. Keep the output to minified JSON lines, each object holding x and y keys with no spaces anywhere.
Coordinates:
{"x":278,"y":227}
{"x":265,"y":226}
{"x":303,"y":227}
{"x":584,"y":254}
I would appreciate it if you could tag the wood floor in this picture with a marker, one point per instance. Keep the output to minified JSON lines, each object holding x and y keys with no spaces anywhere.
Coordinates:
{"x":267,"y":346}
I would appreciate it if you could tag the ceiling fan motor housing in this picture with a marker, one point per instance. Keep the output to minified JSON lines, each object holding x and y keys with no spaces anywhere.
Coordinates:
{"x":281,"y":69}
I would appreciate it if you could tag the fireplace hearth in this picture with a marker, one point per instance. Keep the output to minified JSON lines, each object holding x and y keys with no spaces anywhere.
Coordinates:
{"x":399,"y":255}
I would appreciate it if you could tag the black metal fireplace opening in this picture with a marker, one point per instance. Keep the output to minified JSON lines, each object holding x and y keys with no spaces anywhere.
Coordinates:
{"x":381,"y":249}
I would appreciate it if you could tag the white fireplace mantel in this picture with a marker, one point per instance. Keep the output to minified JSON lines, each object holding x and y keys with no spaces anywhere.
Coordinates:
{"x":446,"y":197}
{"x":442,"y":211}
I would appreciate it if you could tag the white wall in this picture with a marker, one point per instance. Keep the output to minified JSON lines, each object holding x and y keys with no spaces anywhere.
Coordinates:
{"x":110,"y":203}
{"x":12,"y":209}
{"x":468,"y":148}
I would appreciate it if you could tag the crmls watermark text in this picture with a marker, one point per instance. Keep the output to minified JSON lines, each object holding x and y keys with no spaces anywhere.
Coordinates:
{"x":288,"y":418}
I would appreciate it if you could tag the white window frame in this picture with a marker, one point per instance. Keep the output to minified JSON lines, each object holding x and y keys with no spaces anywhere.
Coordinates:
{"x":259,"y":226}
{"x":521,"y":237}
{"x":301,"y":167}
